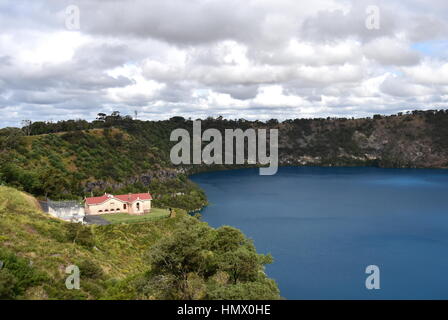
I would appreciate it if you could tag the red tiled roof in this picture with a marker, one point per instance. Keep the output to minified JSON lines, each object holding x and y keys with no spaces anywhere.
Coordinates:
{"x":97,"y":200}
{"x":133,"y":197}
{"x":129,"y":198}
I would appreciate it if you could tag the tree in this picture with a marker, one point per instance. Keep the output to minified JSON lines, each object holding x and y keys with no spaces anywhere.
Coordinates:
{"x":101,"y":117}
{"x":53,"y":182}
{"x":263,"y":289}
{"x":242,"y":264}
{"x":10,"y":138}
{"x":198,"y":262}
{"x":228,"y":239}
{"x":26,"y":127}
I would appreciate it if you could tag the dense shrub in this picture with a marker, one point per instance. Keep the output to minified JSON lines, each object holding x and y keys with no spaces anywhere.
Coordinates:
{"x":198,"y":262}
{"x":80,"y":234}
{"x":17,"y":275}
{"x":89,"y":269}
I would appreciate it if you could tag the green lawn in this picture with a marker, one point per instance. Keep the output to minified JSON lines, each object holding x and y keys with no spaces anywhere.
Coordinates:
{"x":155,"y":214}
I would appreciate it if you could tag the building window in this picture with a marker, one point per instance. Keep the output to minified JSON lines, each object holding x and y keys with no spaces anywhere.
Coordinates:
{"x":100,"y":210}
{"x":106,"y":210}
{"x":118,"y":209}
{"x":112,"y":210}
{"x":138,"y":206}
{"x":124,"y":206}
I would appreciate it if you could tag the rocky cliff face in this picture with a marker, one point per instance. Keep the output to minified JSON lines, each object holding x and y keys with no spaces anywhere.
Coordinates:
{"x":412,"y":140}
{"x":145,"y":179}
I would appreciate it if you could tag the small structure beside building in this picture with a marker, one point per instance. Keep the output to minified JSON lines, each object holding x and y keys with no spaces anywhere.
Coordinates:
{"x":132,"y":203}
{"x":66,"y":210}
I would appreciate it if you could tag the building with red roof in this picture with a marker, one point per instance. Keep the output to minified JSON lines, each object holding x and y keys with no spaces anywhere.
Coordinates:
{"x":132,"y":203}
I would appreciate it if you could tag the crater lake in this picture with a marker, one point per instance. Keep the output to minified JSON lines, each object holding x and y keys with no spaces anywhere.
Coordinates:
{"x":325,"y":225}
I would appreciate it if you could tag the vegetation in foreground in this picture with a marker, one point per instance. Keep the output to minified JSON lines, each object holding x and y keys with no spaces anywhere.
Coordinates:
{"x":175,"y":258}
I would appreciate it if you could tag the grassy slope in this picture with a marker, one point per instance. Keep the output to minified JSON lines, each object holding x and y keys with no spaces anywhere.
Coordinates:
{"x":155,"y":214}
{"x":43,"y":242}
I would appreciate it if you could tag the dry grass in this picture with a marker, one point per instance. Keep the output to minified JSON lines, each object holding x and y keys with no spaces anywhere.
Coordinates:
{"x":29,"y":233}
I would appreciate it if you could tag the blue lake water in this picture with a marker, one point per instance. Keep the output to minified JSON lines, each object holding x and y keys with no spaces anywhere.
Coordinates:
{"x":324,"y":226}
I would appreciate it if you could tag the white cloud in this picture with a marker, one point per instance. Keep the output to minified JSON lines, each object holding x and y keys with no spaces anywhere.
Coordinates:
{"x":431,"y":72}
{"x":391,"y":51}
{"x":253,"y":59}
{"x":399,"y":87}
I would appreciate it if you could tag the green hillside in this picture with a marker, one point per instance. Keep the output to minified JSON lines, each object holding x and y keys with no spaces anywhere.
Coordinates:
{"x":76,"y":164}
{"x":171,"y":258}
{"x":75,"y":158}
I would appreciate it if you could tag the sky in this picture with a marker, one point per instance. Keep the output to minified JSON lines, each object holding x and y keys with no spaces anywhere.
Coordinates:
{"x":237,"y":59}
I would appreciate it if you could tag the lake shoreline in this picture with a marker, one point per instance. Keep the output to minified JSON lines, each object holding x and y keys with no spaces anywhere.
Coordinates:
{"x":200,"y":171}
